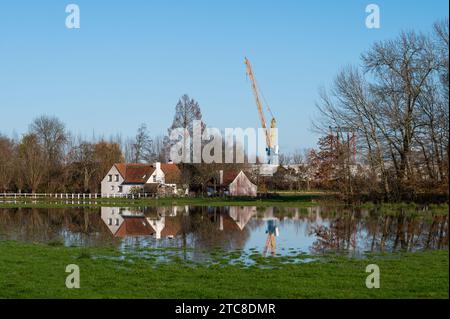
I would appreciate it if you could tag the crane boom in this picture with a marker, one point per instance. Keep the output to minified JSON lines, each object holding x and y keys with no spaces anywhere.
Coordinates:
{"x":258,"y":101}
{"x":270,"y":133}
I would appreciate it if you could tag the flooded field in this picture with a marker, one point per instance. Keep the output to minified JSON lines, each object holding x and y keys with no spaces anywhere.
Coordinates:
{"x":198,"y":231}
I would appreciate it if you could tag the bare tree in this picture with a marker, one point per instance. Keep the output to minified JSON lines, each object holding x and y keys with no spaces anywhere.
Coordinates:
{"x":82,"y":165}
{"x":158,"y":149}
{"x":441,"y":37}
{"x":52,"y":136}
{"x":142,"y":150}
{"x":285,"y":159}
{"x":187,"y":111}
{"x":401,"y":68}
{"x":6,"y":162}
{"x":32,"y":161}
{"x":398,"y":107}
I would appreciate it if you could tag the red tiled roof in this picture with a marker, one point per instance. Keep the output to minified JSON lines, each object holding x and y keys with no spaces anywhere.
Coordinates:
{"x":140,"y":173}
{"x":134,"y":226}
{"x":229,"y":177}
{"x":172,"y":173}
{"x":121,"y":168}
{"x":172,"y":227}
{"x":135,"y":173}
{"x":229,"y":223}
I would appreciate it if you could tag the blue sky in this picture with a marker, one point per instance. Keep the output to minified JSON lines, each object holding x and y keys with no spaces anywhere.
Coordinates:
{"x":131,"y":60}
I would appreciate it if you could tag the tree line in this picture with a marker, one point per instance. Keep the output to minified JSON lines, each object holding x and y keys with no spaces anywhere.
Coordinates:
{"x":49,"y":159}
{"x":396,"y":104}
{"x":384,"y":125}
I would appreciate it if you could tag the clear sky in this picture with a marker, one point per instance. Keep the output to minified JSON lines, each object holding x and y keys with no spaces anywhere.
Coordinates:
{"x":131,"y":60}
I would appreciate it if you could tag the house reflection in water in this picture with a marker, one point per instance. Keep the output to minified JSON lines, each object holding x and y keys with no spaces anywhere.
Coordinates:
{"x":237,"y":217}
{"x":112,"y":218}
{"x":270,"y":230}
{"x":226,"y":226}
{"x":316,"y":230}
{"x":123,"y":222}
{"x":166,"y":223}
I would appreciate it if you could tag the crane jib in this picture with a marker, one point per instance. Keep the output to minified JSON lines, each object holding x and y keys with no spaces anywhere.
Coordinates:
{"x":256,"y":92}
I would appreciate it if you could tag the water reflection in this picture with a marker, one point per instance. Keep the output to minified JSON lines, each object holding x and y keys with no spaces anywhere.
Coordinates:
{"x":269,"y":231}
{"x":271,"y":242}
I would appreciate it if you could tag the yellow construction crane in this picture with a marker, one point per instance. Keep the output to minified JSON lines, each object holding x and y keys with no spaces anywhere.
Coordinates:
{"x":271,"y":147}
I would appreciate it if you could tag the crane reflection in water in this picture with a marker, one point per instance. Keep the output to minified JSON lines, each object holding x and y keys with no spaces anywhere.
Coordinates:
{"x":271,"y":243}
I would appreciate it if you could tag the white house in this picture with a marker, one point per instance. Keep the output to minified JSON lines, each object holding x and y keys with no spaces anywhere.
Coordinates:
{"x":123,"y":178}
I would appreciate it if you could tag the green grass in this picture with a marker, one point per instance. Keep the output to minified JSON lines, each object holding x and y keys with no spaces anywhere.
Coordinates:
{"x":291,"y":200}
{"x":283,"y":200}
{"x":38,"y":271}
{"x":282,"y":203}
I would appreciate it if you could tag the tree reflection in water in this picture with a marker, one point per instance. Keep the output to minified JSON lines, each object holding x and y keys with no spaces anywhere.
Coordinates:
{"x":316,"y":229}
{"x":380,"y":233}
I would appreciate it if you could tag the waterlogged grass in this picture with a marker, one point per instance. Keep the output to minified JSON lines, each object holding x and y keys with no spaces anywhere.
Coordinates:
{"x":291,"y":200}
{"x":38,"y":271}
{"x":282,"y":202}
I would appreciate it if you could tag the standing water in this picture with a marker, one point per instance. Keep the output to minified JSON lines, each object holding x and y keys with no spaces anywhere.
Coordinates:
{"x":269,"y":231}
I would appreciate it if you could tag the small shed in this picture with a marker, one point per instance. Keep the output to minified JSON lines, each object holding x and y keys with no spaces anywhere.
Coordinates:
{"x":237,"y":184}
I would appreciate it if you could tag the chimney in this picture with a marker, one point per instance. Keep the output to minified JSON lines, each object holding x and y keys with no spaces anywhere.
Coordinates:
{"x":158,"y":165}
{"x":221,"y":177}
{"x":170,"y":162}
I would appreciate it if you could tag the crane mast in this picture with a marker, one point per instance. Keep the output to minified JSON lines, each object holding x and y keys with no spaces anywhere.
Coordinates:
{"x":271,"y":148}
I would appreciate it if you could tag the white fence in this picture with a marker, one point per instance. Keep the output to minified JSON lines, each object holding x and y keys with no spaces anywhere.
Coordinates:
{"x":75,"y":196}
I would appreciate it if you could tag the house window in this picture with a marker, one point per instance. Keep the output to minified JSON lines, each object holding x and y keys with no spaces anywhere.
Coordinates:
{"x":117,"y":178}
{"x":120,"y":189}
{"x":117,"y":221}
{"x":109,"y":178}
{"x":109,"y":221}
{"x":112,"y":187}
{"x":154,"y":178}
